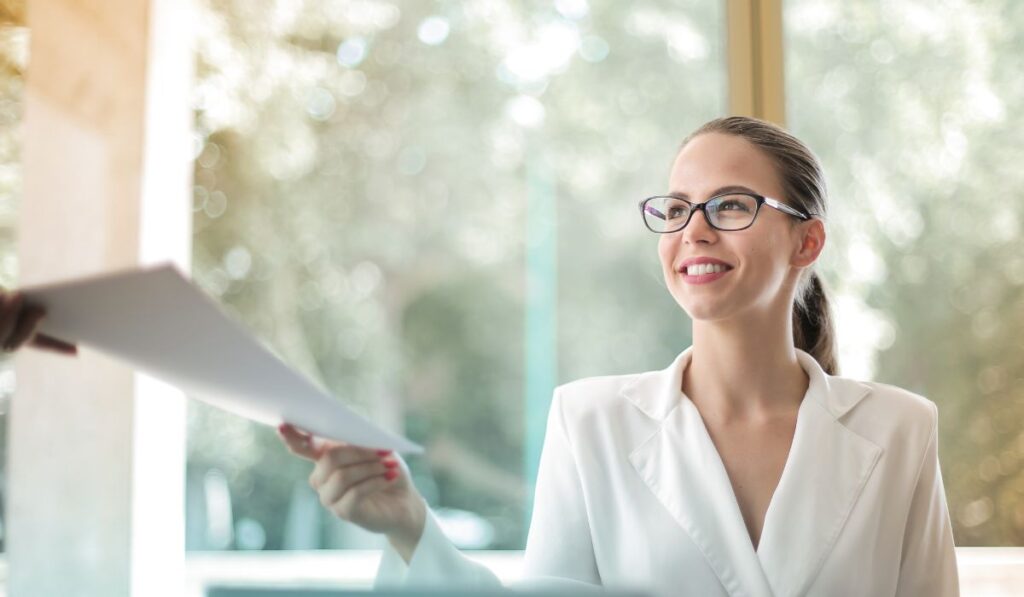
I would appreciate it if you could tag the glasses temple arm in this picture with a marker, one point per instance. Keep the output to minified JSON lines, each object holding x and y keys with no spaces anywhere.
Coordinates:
{"x":783,"y":207}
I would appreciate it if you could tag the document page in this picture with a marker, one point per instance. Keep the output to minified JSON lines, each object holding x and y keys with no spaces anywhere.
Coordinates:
{"x":158,"y":321}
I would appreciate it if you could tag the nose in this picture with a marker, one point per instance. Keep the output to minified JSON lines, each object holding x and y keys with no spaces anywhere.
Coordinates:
{"x":699,"y":229}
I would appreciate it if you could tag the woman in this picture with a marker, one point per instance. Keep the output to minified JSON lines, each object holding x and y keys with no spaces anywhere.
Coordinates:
{"x":748,"y":466}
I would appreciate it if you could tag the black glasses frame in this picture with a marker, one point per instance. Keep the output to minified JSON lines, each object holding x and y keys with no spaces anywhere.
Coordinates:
{"x":695,"y":207}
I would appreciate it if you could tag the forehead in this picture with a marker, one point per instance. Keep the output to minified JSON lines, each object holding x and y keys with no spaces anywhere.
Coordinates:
{"x":715,"y":160}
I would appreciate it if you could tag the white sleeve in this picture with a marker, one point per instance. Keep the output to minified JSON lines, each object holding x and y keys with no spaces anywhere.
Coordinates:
{"x":435,"y":561}
{"x":559,"y":553}
{"x":928,"y":563}
{"x":560,"y":545}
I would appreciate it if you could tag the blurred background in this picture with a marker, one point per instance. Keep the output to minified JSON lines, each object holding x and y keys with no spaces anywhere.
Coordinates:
{"x":430,"y":209}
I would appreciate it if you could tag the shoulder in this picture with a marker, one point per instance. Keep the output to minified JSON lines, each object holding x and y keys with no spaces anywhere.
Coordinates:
{"x":894,"y":418}
{"x":598,"y":387}
{"x":595,"y":409}
{"x":588,"y":395}
{"x":902,"y":406}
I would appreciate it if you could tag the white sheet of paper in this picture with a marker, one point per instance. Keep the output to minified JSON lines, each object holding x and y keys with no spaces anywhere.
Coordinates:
{"x":157,"y":320}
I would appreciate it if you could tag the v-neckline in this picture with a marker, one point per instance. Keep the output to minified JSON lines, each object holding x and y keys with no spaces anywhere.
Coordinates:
{"x":737,"y":512}
{"x":825,"y":473}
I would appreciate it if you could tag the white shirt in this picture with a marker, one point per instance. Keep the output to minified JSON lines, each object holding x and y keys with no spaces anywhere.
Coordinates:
{"x":632,"y":493}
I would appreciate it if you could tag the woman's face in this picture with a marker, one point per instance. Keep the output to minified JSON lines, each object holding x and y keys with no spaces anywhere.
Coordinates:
{"x":764,"y":260}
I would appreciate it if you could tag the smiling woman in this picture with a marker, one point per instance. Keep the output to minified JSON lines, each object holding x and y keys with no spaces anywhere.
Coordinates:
{"x":430,"y":209}
{"x":747,"y":466}
{"x":560,"y":116}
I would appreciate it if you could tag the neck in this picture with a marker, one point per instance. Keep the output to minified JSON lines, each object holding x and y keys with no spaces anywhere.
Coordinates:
{"x":745,"y":370}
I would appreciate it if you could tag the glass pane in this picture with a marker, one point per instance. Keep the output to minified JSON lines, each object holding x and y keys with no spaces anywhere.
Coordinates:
{"x":906,"y":104}
{"x":431,"y":208}
{"x":733,"y":211}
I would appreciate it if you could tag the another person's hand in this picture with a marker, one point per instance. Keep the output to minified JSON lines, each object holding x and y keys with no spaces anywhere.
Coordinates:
{"x":18,"y":323}
{"x":368,"y":487}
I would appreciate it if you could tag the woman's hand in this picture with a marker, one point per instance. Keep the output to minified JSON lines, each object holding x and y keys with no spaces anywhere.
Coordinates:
{"x":18,"y":323}
{"x":368,"y":487}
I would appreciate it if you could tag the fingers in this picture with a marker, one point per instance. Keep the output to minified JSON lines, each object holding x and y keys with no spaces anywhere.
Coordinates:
{"x":356,"y":493}
{"x":25,"y":326}
{"x":343,"y":473}
{"x":343,"y":481}
{"x":338,"y":456}
{"x":298,"y":442}
{"x":10,"y":306}
{"x":50,"y":343}
{"x":18,"y":324}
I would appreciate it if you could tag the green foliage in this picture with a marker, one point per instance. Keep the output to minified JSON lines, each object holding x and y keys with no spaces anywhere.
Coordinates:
{"x":911,"y":108}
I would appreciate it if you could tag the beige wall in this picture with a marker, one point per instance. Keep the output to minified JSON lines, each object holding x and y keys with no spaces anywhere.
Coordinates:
{"x":96,"y":454}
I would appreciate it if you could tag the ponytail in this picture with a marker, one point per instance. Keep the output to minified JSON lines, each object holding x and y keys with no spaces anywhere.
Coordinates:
{"x":813,"y":331}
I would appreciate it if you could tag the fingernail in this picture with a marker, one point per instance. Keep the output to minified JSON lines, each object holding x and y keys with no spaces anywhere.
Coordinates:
{"x":391,"y":474}
{"x":390,"y":463}
{"x":383,"y":452}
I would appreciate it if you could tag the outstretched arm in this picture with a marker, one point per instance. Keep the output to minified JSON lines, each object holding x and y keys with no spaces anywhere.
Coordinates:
{"x":559,"y":552}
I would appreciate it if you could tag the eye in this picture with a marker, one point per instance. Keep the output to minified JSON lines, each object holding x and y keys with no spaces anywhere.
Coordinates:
{"x":675,"y":209}
{"x":731,"y":204}
{"x":735,"y":204}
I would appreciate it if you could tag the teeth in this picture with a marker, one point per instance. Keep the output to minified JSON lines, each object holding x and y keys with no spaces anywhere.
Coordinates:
{"x":704,"y":268}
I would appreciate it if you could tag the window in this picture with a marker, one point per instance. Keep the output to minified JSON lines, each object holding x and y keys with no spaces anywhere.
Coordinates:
{"x":431,"y":208}
{"x":910,"y":109}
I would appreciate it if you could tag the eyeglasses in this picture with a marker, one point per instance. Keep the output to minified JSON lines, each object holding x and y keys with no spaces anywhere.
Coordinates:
{"x":729,"y":212}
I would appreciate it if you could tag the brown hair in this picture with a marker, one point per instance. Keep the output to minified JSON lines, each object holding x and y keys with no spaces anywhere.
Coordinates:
{"x":803,"y":187}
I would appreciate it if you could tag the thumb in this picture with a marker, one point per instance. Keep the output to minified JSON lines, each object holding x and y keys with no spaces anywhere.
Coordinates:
{"x":300,"y":442}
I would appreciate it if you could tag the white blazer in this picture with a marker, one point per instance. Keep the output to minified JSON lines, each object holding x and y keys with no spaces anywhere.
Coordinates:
{"x":631,"y":493}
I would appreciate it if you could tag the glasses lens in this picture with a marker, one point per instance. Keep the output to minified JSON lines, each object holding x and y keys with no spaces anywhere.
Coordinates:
{"x":732,"y":212}
{"x":665,"y":214}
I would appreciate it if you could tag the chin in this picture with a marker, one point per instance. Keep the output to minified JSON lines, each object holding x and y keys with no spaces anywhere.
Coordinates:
{"x":703,"y":309}
{"x":704,"y":313}
{"x":708,"y":307}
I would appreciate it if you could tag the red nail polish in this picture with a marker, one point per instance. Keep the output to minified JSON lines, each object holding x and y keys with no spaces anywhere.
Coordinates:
{"x":391,"y":474}
{"x":383,"y":452}
{"x":390,"y":463}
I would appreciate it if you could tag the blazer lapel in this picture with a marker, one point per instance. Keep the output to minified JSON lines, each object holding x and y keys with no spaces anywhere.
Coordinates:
{"x":822,"y":478}
{"x":826,"y":471}
{"x":681,"y":466}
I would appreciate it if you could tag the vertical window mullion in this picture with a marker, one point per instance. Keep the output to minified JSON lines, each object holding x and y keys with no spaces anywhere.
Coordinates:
{"x":754,"y":55}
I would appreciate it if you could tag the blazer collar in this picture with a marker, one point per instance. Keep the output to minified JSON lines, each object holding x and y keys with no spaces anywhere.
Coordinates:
{"x":656,"y":393}
{"x":827,"y":467}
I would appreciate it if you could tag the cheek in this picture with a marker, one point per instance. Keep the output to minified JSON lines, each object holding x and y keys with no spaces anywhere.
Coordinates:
{"x":766,"y":268}
{"x":666,"y":251}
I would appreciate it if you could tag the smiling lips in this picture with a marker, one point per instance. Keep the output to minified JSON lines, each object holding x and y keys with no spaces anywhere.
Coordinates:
{"x":701,"y":270}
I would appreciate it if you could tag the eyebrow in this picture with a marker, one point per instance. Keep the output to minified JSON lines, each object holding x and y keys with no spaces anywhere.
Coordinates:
{"x":726,"y":189}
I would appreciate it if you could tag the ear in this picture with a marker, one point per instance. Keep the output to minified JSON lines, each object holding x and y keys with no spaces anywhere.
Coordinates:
{"x":811,"y":238}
